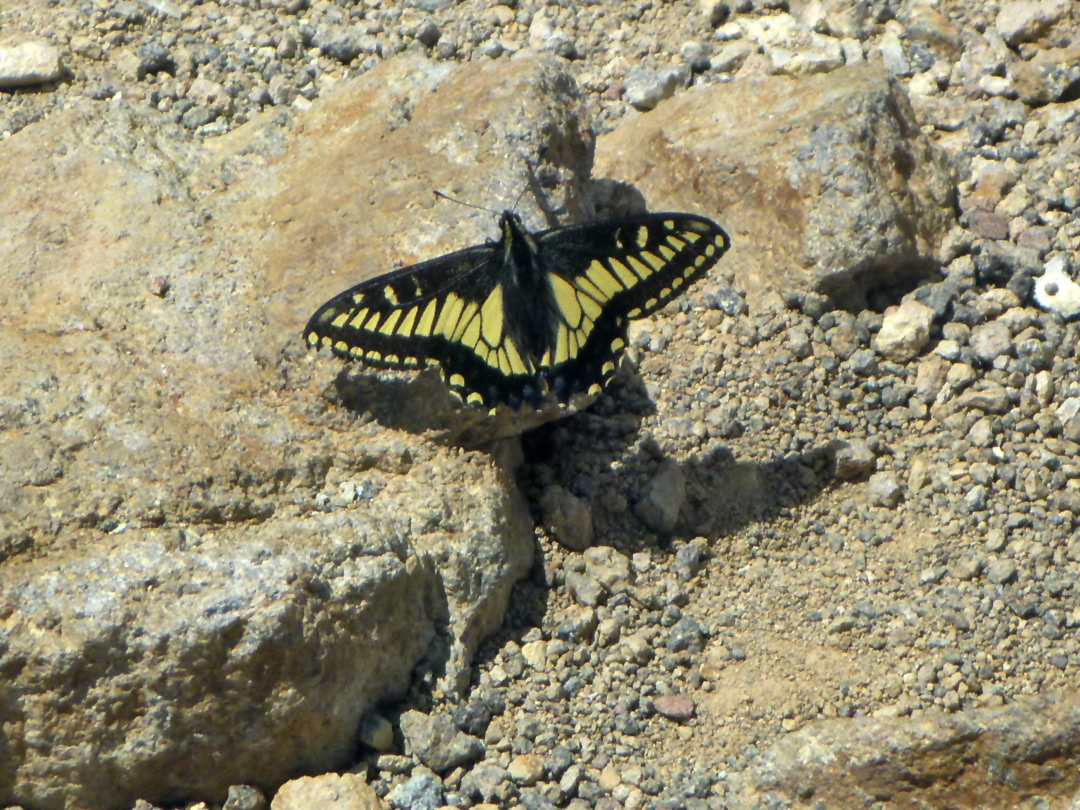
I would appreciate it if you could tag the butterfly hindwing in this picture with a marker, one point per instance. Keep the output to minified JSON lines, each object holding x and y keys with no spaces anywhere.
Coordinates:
{"x":528,"y":317}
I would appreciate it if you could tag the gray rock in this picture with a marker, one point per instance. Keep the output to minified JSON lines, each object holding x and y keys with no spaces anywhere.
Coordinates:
{"x":487,"y":781}
{"x":437,"y":742}
{"x":1003,"y":263}
{"x":423,"y":791}
{"x":793,"y":47}
{"x":1068,"y":414}
{"x":567,"y":518}
{"x":395,"y":764}
{"x":961,"y":375}
{"x":1028,"y":20}
{"x":991,"y":340}
{"x":571,"y":780}
{"x":1001,"y":571}
{"x":976,"y":498}
{"x":662,"y":498}
{"x":695,"y":56}
{"x":154,"y":57}
{"x":491,"y":48}
{"x":892,"y":54}
{"x":715,"y":11}
{"x":282,"y":90}
{"x":730,"y":56}
{"x":199,"y":116}
{"x":543,"y":36}
{"x":688,"y":560}
{"x":969,"y":567}
{"x":578,"y":625}
{"x":896,"y":395}
{"x":244,"y":797}
{"x":345,"y":43}
{"x":686,"y":634}
{"x":884,"y":490}
{"x":645,"y":87}
{"x":585,"y":589}
{"x":431,"y":6}
{"x":557,"y":761}
{"x":989,"y":397}
{"x":29,"y":63}
{"x":609,"y":567}
{"x":428,"y":33}
{"x":851,"y":459}
{"x":863,"y":362}
{"x":996,"y":540}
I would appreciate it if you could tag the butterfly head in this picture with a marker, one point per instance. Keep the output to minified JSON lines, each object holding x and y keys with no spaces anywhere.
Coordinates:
{"x":510,"y":224}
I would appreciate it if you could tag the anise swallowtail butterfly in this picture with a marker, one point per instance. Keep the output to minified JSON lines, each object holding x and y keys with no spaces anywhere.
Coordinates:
{"x":530,"y":317}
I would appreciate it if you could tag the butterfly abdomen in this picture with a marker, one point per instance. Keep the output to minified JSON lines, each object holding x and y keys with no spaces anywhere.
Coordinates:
{"x":530,"y":309}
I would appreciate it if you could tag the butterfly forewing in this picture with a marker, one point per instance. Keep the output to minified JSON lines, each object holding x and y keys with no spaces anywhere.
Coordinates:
{"x":405,"y":318}
{"x":465,"y":311}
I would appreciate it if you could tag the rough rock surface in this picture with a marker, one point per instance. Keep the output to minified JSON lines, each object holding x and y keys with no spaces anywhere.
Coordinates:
{"x":792,"y":170}
{"x":179,"y":528}
{"x":990,"y":757}
{"x":869,"y":551}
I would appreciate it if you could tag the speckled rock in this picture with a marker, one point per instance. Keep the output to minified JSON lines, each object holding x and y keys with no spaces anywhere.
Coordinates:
{"x":270,"y":518}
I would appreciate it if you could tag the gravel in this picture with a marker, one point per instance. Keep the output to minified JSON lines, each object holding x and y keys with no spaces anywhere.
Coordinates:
{"x":939,"y":541}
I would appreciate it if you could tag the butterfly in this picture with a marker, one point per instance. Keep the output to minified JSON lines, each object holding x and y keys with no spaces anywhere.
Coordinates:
{"x":528,"y":318}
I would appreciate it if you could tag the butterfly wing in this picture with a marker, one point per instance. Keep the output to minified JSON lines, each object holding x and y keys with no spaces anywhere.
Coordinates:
{"x":606,"y":274}
{"x":453,"y":310}
{"x":411,"y":317}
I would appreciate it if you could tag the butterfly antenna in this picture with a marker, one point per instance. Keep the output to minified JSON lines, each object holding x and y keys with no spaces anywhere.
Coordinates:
{"x":462,"y":202}
{"x":521,"y":194}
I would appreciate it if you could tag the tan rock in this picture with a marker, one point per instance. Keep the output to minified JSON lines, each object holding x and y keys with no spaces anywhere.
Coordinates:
{"x":802,"y":172}
{"x":993,"y":757}
{"x":904,"y":332}
{"x":330,"y":791}
{"x":187,"y":516}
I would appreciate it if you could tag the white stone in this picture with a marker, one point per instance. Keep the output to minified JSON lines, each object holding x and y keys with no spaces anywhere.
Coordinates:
{"x":29,"y":63}
{"x":1056,"y":291}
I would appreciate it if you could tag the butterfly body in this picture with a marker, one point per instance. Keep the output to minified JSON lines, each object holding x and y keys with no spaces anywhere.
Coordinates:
{"x":530,"y":311}
{"x":531,"y":317}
